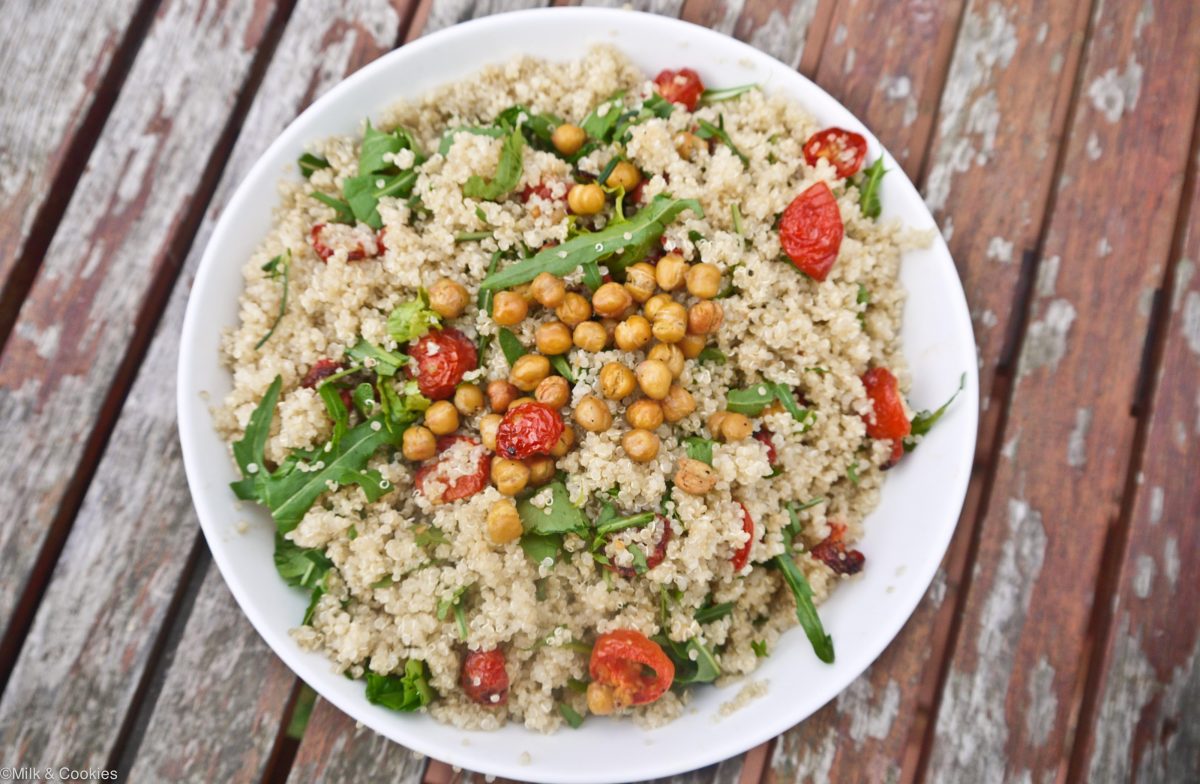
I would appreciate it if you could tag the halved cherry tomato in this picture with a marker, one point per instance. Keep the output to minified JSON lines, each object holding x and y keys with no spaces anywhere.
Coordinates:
{"x":620,"y":660}
{"x":529,"y":429}
{"x":889,"y":419}
{"x":656,"y":557}
{"x":763,"y":436}
{"x":442,"y":357}
{"x":321,"y":370}
{"x":894,"y":457}
{"x":682,"y":86}
{"x":484,"y":679}
{"x":811,"y":231}
{"x":445,"y":489}
{"x":845,"y":150}
{"x":362,"y":243}
{"x":743,"y":554}
{"x":833,"y":553}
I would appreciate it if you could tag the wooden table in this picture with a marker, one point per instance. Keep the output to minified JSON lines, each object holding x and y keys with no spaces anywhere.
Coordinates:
{"x":1055,"y":141}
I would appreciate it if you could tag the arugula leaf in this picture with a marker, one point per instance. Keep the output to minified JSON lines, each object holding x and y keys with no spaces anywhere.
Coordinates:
{"x":601,"y":121}
{"x":560,"y":516}
{"x":510,"y":344}
{"x":412,"y":319}
{"x":702,"y":669}
{"x":713,"y":612}
{"x":448,"y":136}
{"x":471,"y":236}
{"x":759,"y":647}
{"x":508,"y":171}
{"x":753,"y":400}
{"x":712,"y":354}
{"x":868,"y":184}
{"x":336,"y":408}
{"x":248,"y":450}
{"x":298,"y":566}
{"x":654,"y":106}
{"x":562,"y":367}
{"x":794,"y":526}
{"x":317,"y":593}
{"x":538,"y":128}
{"x":699,"y":448}
{"x":852,"y":473}
{"x":373,"y":485}
{"x":278,"y":267}
{"x":405,"y":693}
{"x":386,"y":363}
{"x":484,"y":301}
{"x":924,"y":421}
{"x":606,"y":525}
{"x":646,"y":226}
{"x":709,"y":97}
{"x":377,"y":143}
{"x":310,"y":163}
{"x":709,"y":131}
{"x":569,"y":715}
{"x":362,"y":193}
{"x":454,"y":603}
{"x":640,"y":566}
{"x":736,"y":215}
{"x":344,"y":213}
{"x":806,"y":611}
{"x":539,"y":547}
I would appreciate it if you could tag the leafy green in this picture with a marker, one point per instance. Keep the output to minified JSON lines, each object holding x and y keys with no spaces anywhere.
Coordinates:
{"x":364,"y":191}
{"x":702,"y":669}
{"x":735,"y":212}
{"x":299,"y":566}
{"x":569,"y":715}
{"x":562,"y":367}
{"x":713,"y":612}
{"x":559,"y":516}
{"x":754,"y":399}
{"x":538,"y":128}
{"x":852,"y":473}
{"x":472,"y":236}
{"x":454,"y":603}
{"x":601,"y":121}
{"x":699,"y":448}
{"x":278,"y":267}
{"x":709,"y":131}
{"x":604,"y":527}
{"x":412,"y":319}
{"x":759,"y":647}
{"x":654,"y":106}
{"x":794,"y":526}
{"x":596,"y":247}
{"x":924,"y":421}
{"x":405,"y":693}
{"x":372,"y":483}
{"x":806,"y":611}
{"x":376,"y":144}
{"x":510,"y":344}
{"x":508,"y":171}
{"x":868,"y":184}
{"x":539,"y":547}
{"x":712,"y":354}
{"x":709,"y":97}
{"x":484,"y":301}
{"x":344,"y":213}
{"x":640,"y":566}
{"x":248,"y":450}
{"x":448,"y":136}
{"x":386,"y":363}
{"x":310,"y":163}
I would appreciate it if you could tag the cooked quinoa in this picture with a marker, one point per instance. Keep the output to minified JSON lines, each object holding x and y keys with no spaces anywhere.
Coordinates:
{"x":405,"y":585}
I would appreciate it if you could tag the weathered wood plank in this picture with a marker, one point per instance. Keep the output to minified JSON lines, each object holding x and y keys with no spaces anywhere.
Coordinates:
{"x":783,"y":29}
{"x":335,"y":749}
{"x":1142,"y":708}
{"x":1011,"y":688}
{"x":54,"y":57}
{"x":137,"y":521}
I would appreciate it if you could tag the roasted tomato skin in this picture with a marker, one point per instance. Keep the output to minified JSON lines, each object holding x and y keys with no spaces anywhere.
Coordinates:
{"x":845,"y":150}
{"x":619,"y":659}
{"x":321,"y":370}
{"x":811,"y":231}
{"x":889,"y":420}
{"x":682,"y":86}
{"x":484,"y":679}
{"x":763,"y":436}
{"x":894,"y":457}
{"x":742,"y":556}
{"x":463,"y":486}
{"x":442,"y":357}
{"x":529,"y":429}
{"x":654,"y":558}
{"x":357,"y":253}
{"x":833,"y":553}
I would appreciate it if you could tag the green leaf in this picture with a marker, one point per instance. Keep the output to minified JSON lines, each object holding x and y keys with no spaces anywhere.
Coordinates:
{"x":538,"y":128}
{"x":310,"y":163}
{"x":794,"y":526}
{"x":712,"y":354}
{"x":299,"y":566}
{"x":806,"y":611}
{"x":783,"y":393}
{"x":606,"y":525}
{"x":471,"y":236}
{"x":699,"y":448}
{"x":713,"y":612}
{"x":336,"y":408}
{"x":412,"y":319}
{"x":559,"y":516}
{"x":852,"y":473}
{"x":654,"y":106}
{"x":562,"y":367}
{"x":362,"y":193}
{"x":709,"y":131}
{"x":868,"y":184}
{"x":751,"y":401}
{"x":569,"y":715}
{"x":344,"y":213}
{"x":709,"y":97}
{"x":736,"y":215}
{"x":508,"y":171}
{"x":702,"y":669}
{"x":373,"y":485}
{"x":539,"y":547}
{"x":376,"y":144}
{"x":405,"y":693}
{"x":640,"y":566}
{"x":448,"y":136}
{"x":595,"y":247}
{"x":278,"y":267}
{"x":924,"y":421}
{"x":759,"y":647}
{"x":386,"y":363}
{"x":248,"y":450}
{"x":601,"y":121}
{"x":510,"y":345}
{"x":317,"y":593}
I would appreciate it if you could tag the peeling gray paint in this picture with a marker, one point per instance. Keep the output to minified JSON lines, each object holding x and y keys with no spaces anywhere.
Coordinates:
{"x":1127,"y":689}
{"x":1043,"y":703}
{"x":1047,"y":276}
{"x":1000,"y":249}
{"x":1191,"y":321}
{"x":1077,"y":440}
{"x":1143,"y":576}
{"x":1184,"y":271}
{"x":1117,"y":92}
{"x":1171,"y":563}
{"x":1046,"y":340}
{"x":1157,"y":501}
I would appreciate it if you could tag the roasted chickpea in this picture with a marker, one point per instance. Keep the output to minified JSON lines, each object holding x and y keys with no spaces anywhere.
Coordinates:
{"x":611,"y":300}
{"x":488,"y":424}
{"x":592,"y":414}
{"x":640,"y":445}
{"x":632,"y":333}
{"x":692,"y":345}
{"x":590,"y":336}
{"x":585,"y":199}
{"x":554,"y":391}
{"x":655,"y":304}
{"x":670,"y":271}
{"x":549,"y":290}
{"x":509,"y":308}
{"x":574,"y":310}
{"x":568,"y":138}
{"x":552,"y":337}
{"x":714,"y":422}
{"x":670,"y":323}
{"x":442,"y":418}
{"x":564,"y":443}
{"x":509,"y":476}
{"x":525,"y":291}
{"x":447,"y":298}
{"x":736,"y":426}
{"x":522,"y":401}
{"x":654,"y":378}
{"x":610,"y":328}
{"x":640,"y":282}
{"x":705,"y":317}
{"x":644,"y":414}
{"x":500,"y":395}
{"x":503,"y":522}
{"x":528,"y":371}
{"x":774,"y":407}
{"x":616,"y":381}
{"x":624,"y":175}
{"x":671,"y":354}
{"x":694,"y":477}
{"x":703,"y":280}
{"x":468,"y":399}
{"x":601,"y":699}
{"x":541,"y":469}
{"x":677,"y":404}
{"x":687,"y":145}
{"x":418,"y":443}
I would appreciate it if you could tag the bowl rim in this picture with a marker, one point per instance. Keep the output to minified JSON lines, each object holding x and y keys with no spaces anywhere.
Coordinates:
{"x":193,"y":414}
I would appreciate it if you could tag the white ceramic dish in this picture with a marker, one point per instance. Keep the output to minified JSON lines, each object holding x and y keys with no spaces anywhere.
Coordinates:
{"x":905,"y":537}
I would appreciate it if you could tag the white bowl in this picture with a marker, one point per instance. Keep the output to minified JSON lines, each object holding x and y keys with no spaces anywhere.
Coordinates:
{"x":905,"y":537}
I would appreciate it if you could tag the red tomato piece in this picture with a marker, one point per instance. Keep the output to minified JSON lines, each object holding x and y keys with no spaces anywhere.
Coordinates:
{"x":889,"y":419}
{"x":894,"y":457}
{"x":620,"y":660}
{"x":811,"y":231}
{"x":833,"y":553}
{"x":655,"y":558}
{"x":323,"y":369}
{"x":763,"y":436}
{"x":682,"y":86}
{"x":530,"y":429}
{"x":444,"y":490}
{"x":743,"y":554}
{"x":845,"y":150}
{"x":360,"y":242}
{"x":484,"y":679}
{"x":442,"y":357}
{"x":541,"y":190}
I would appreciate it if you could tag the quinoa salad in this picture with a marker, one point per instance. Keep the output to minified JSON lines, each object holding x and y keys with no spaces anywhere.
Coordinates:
{"x":568,"y":388}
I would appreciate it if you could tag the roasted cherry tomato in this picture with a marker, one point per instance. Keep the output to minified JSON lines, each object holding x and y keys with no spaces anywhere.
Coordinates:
{"x":845,"y":150}
{"x":743,"y":554}
{"x":442,"y":357}
{"x":434,"y":484}
{"x":484,"y":678}
{"x":529,"y":429}
{"x":361,"y":242}
{"x":542,"y":190}
{"x":811,"y":231}
{"x":763,"y":436}
{"x":833,"y":553}
{"x":654,"y":558}
{"x":323,"y":369}
{"x":894,"y":457}
{"x":889,"y":419}
{"x":682,"y":86}
{"x":620,"y":660}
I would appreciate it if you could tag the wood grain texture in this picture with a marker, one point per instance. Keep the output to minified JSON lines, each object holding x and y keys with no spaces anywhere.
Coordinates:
{"x":54,"y":57}
{"x":781,"y":28}
{"x":1011,"y":690}
{"x":334,"y":749}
